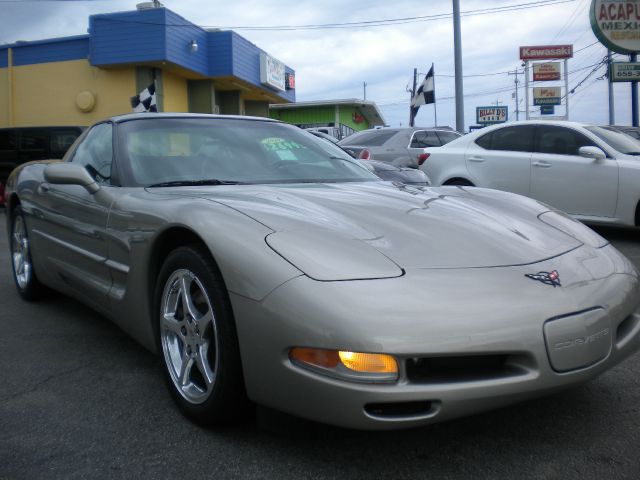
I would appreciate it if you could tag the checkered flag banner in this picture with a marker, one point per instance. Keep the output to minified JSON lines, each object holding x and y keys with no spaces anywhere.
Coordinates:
{"x":145,"y":101}
{"x":425,"y":94}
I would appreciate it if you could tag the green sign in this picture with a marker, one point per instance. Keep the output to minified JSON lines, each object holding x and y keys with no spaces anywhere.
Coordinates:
{"x":624,"y":72}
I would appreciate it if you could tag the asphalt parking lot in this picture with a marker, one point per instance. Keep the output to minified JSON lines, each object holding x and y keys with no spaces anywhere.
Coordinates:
{"x":79,"y":399}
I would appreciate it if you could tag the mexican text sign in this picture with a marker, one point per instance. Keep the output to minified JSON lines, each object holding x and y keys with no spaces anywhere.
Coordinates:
{"x":616,"y":23}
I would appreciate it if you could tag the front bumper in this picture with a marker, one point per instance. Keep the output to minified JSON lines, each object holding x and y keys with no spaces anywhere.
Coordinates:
{"x":448,"y":314}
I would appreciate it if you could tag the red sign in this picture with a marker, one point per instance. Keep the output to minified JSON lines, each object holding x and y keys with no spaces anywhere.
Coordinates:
{"x":290,"y":81}
{"x":545,"y":52}
{"x":546,"y":71}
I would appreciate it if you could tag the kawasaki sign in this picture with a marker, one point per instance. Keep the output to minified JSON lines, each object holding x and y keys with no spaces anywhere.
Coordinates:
{"x":616,"y":23}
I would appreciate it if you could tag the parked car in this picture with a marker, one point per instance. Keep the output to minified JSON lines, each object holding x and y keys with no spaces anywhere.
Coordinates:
{"x":274,"y":270}
{"x":322,"y":135}
{"x":386,"y":171}
{"x":590,"y":172}
{"x":402,"y":147}
{"x":632,"y":131}
{"x":20,"y":145}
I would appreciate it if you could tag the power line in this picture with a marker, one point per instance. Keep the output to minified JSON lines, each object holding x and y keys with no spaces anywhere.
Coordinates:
{"x":358,"y":24}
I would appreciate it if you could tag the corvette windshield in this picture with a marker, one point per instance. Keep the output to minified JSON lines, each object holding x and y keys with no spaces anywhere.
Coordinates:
{"x":217,"y":151}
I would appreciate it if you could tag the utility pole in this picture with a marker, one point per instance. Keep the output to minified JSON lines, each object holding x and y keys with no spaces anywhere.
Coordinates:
{"x":634,"y":95}
{"x":457,"y":47}
{"x":612,"y":113}
{"x":515,"y":72}
{"x":413,"y":94}
{"x":364,"y":88}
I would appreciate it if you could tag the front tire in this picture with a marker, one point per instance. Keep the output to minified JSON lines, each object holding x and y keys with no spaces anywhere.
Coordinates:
{"x":24,"y":275}
{"x":197,"y":338}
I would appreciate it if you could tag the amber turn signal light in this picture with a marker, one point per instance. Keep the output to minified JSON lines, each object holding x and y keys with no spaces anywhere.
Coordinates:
{"x":355,"y":366}
{"x":369,"y":362}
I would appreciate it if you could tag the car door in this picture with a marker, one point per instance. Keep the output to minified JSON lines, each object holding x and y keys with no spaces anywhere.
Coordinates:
{"x":501,"y":159}
{"x":70,"y":223}
{"x":567,"y":181}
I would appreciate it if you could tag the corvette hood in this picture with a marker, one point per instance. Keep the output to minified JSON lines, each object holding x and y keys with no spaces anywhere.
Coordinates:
{"x":445,"y":227}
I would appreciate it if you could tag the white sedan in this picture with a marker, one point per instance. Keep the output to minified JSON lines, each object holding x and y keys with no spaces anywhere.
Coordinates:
{"x":590,"y":172}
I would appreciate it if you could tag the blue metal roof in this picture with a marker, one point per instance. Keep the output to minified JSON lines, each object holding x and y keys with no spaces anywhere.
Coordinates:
{"x":152,"y":35}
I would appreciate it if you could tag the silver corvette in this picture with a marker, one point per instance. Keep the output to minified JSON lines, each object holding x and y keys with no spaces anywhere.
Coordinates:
{"x":262,"y":263}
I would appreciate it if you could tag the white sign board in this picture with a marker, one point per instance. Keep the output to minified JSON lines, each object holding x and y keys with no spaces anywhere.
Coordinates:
{"x":616,"y":23}
{"x":546,"y":71}
{"x":272,"y":72}
{"x":625,"y":72}
{"x":547,"y":95}
{"x":491,"y":115}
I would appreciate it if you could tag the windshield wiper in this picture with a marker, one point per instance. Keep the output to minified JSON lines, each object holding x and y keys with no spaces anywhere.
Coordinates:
{"x":192,"y":183}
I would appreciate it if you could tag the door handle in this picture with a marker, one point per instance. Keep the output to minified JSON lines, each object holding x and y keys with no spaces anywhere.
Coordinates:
{"x":476,"y":159}
{"x":541,"y":164}
{"x":43,"y":188}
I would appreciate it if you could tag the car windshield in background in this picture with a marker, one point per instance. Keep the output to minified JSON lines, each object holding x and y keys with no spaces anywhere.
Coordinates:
{"x":447,"y":137}
{"x":192,"y":151}
{"x":373,"y":138}
{"x":617,"y":140}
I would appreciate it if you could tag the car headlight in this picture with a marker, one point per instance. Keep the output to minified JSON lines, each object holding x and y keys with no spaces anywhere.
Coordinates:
{"x":573,"y":228}
{"x":345,"y":365}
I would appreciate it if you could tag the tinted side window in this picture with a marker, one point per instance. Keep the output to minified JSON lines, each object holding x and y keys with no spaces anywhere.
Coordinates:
{"x":560,"y":140}
{"x":8,"y":141}
{"x":485,"y":141}
{"x":424,"y":139}
{"x":370,"y":139}
{"x":96,"y":153}
{"x":33,"y":141}
{"x":512,"y":139}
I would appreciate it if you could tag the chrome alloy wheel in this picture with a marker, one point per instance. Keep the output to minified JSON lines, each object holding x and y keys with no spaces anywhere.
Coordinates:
{"x":189,"y":337}
{"x":20,"y":253}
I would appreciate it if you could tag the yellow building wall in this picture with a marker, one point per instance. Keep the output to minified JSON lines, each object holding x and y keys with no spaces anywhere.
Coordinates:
{"x":46,"y":93}
{"x":176,"y":98}
{"x":4,"y":97}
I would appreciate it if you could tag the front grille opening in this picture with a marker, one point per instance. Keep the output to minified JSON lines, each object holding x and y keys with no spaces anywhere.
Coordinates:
{"x":398,"y":409}
{"x":466,"y":368}
{"x":626,"y":328}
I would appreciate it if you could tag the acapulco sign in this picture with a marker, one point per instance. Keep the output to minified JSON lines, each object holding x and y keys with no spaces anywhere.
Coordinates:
{"x":616,"y":23}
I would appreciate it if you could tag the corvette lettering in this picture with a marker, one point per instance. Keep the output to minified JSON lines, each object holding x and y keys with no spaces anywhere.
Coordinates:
{"x":575,"y":342}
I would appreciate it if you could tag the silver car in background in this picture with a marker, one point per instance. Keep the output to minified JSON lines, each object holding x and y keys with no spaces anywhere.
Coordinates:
{"x":258,"y":265}
{"x":402,"y":147}
{"x":590,"y":172}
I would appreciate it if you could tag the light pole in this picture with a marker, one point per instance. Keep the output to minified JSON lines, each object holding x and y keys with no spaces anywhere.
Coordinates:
{"x":457,"y":47}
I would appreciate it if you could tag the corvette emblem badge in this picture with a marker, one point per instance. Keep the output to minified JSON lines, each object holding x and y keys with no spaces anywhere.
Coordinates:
{"x":548,"y":278}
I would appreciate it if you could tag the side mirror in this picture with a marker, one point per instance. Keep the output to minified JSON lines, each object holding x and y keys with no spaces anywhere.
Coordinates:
{"x":594,"y":153}
{"x":65,"y":173}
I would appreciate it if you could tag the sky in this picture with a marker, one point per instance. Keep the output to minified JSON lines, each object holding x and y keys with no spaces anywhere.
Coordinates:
{"x":334,"y":63}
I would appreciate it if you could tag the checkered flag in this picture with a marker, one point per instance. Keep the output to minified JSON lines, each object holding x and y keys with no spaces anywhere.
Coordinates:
{"x":425,"y":94}
{"x":145,"y":101}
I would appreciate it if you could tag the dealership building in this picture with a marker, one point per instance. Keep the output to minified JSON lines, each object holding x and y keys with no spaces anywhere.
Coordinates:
{"x":81,"y":79}
{"x":343,"y":117}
